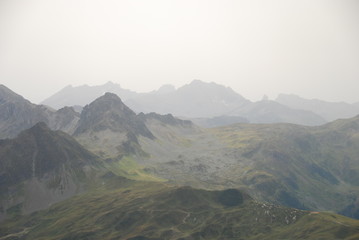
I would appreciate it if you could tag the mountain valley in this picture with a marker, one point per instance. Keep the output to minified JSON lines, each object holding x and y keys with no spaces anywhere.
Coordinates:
{"x":111,"y":173}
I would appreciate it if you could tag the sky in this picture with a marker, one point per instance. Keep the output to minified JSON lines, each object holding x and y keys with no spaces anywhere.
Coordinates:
{"x":256,"y":47}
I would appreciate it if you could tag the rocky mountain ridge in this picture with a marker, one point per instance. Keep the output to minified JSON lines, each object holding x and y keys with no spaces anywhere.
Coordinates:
{"x":41,"y":167}
{"x":18,"y":114}
{"x":312,"y":168}
{"x":274,"y":162}
{"x":197,"y":100}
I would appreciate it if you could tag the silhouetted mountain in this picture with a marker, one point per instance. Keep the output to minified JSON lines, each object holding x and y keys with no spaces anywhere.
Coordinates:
{"x":272,"y":112}
{"x":195,"y":100}
{"x":330,"y":111}
{"x":41,"y":167}
{"x":83,"y":95}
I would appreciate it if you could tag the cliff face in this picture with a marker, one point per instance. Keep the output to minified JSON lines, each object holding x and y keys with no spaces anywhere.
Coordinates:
{"x":18,"y":114}
{"x":41,"y":167}
{"x":108,"y":124}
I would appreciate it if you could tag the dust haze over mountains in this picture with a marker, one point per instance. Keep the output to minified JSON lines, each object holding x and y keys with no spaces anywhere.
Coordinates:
{"x":200,"y":159}
{"x":308,"y":48}
{"x":128,"y":170}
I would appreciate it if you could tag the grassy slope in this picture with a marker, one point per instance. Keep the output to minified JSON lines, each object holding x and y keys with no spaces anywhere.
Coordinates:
{"x":123,"y":209}
{"x":313,"y":168}
{"x":127,"y":167}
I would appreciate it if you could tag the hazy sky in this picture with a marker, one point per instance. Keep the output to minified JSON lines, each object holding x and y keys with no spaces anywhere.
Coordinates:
{"x":257,"y":47}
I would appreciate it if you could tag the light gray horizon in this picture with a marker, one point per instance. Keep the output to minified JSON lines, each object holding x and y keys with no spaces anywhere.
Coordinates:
{"x":256,"y":47}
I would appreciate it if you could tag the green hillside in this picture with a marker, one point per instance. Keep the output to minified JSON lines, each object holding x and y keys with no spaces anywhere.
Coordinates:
{"x":312,"y":168}
{"x":123,"y":209}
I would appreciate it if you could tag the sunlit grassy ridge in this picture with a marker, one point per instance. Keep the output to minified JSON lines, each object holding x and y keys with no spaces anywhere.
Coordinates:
{"x":127,"y":167}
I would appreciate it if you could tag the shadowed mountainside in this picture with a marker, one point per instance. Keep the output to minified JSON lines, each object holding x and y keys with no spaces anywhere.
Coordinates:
{"x":41,"y":167}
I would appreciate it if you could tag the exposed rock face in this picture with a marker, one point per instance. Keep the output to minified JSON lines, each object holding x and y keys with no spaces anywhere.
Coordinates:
{"x":109,"y":127}
{"x":18,"y":114}
{"x":109,"y":112}
{"x":65,"y":119}
{"x":50,"y":163}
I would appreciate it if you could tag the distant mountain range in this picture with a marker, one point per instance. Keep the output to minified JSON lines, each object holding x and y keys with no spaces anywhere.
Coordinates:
{"x":330,"y":111}
{"x":112,"y":156}
{"x":197,"y":100}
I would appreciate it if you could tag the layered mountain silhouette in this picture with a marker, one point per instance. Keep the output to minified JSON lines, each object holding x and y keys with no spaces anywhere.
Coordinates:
{"x":310,"y":168}
{"x":105,"y":117}
{"x":196,"y":100}
{"x":41,"y":167}
{"x":83,"y":95}
{"x":330,"y":111}
{"x":276,"y":163}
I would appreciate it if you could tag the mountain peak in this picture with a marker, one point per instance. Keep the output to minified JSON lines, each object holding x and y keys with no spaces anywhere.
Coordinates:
{"x":109,"y":112}
{"x":6,"y":95}
{"x":40,"y":126}
{"x":110,"y":83}
{"x":112,"y":96}
{"x":109,"y":102}
{"x":197,"y":81}
{"x":167,"y":88}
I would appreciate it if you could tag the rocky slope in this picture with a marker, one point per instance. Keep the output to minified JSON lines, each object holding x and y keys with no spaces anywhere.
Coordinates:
{"x":18,"y":114}
{"x":109,"y":128}
{"x":304,"y":167}
{"x":41,"y":167}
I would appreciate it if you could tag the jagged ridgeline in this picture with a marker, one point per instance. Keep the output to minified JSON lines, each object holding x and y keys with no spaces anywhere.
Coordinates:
{"x":41,"y":167}
{"x":113,"y":174}
{"x":110,"y":128}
